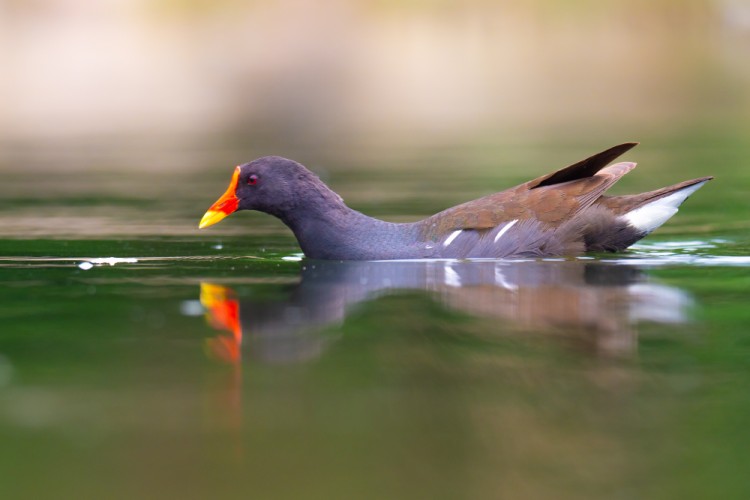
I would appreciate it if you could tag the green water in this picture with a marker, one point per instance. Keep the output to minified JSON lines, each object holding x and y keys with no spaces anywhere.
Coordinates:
{"x":141,"y":358}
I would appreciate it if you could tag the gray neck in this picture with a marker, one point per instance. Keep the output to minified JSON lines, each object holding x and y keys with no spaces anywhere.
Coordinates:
{"x":328,"y":229}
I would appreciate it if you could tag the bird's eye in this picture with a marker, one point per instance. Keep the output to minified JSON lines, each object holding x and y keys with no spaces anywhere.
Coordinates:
{"x":252,"y":180}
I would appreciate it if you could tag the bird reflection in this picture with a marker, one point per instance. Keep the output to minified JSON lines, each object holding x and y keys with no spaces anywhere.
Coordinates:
{"x":595,"y":305}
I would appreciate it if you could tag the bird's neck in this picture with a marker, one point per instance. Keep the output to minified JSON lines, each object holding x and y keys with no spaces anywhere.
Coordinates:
{"x":329,"y":229}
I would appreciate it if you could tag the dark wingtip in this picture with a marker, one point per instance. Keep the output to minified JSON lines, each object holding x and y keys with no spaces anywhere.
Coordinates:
{"x":584,"y":168}
{"x":620,"y":148}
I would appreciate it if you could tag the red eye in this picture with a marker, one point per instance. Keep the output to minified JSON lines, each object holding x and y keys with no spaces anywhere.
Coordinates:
{"x":252,"y":180}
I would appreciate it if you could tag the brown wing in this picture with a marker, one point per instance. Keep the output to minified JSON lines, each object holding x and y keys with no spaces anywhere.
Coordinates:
{"x":550,"y":199}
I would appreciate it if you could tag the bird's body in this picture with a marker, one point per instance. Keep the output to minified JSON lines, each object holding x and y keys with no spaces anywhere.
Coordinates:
{"x":562,"y":213}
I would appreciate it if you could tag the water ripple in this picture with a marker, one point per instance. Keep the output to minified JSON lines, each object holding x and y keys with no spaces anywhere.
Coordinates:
{"x":650,"y":254}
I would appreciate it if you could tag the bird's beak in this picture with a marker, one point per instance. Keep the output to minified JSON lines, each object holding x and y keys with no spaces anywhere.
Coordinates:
{"x":224,"y":206}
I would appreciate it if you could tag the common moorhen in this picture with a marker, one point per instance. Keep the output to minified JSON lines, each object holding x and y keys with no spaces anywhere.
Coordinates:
{"x":562,"y":213}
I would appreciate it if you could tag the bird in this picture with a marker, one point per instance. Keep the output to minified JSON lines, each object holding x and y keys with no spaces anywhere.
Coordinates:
{"x":561,"y":214}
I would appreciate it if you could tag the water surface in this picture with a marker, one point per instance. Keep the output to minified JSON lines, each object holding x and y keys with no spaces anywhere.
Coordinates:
{"x":142,"y":358}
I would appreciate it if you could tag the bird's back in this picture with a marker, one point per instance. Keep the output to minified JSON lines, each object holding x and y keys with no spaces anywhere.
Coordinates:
{"x":562,"y":213}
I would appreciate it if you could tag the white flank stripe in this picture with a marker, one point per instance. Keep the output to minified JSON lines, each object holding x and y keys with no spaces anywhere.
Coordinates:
{"x":654,"y":214}
{"x":452,"y":237}
{"x":504,"y":229}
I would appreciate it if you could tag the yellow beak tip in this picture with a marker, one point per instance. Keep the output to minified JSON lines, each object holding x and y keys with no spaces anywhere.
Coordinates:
{"x":225,"y":205}
{"x":211,"y":218}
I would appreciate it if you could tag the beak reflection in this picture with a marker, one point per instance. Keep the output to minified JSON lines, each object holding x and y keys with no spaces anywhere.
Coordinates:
{"x":223,"y":314}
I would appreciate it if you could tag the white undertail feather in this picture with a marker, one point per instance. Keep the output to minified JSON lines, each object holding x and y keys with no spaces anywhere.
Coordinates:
{"x":650,"y":216}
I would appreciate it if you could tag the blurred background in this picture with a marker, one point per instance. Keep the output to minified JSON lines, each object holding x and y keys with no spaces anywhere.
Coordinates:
{"x":190,"y":84}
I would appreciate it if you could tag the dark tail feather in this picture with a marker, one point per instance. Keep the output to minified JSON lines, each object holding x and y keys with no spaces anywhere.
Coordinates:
{"x":614,"y":223}
{"x":621,"y":205}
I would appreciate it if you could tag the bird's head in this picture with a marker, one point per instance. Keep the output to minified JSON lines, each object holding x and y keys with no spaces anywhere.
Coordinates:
{"x":270,"y":184}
